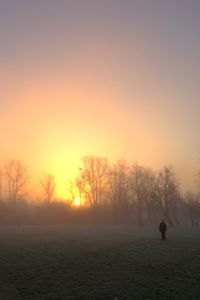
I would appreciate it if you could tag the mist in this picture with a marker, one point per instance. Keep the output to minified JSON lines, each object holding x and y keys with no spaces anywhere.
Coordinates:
{"x":99,"y":150}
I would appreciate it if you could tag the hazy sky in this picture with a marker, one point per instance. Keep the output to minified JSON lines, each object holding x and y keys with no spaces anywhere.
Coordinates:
{"x":105,"y":77}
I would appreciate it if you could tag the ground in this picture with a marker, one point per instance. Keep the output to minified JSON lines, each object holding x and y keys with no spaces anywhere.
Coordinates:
{"x":87,"y":263}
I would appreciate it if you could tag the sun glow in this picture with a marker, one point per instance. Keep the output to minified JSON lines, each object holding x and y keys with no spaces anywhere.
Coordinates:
{"x":77,"y":202}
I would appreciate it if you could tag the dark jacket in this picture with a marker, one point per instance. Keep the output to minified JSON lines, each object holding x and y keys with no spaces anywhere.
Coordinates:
{"x":162,"y":227}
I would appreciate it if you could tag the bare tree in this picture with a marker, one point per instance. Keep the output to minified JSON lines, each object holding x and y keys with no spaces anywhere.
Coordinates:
{"x":141,"y":184}
{"x":16,"y":177}
{"x":80,"y":185}
{"x":76,"y":189}
{"x":118,"y":188}
{"x":49,"y":185}
{"x":193,"y":204}
{"x":168,"y":194}
{"x":93,"y":175}
{"x":71,"y":187}
{"x":144,"y":188}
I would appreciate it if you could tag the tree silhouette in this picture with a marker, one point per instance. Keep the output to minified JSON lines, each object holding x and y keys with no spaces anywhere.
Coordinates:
{"x":119,"y":187}
{"x":49,"y":185}
{"x":168,"y":193}
{"x":15,"y":173}
{"x":93,"y":175}
{"x":138,"y":177}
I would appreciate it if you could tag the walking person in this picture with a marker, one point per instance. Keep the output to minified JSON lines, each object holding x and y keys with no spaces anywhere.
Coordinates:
{"x":163,"y":229}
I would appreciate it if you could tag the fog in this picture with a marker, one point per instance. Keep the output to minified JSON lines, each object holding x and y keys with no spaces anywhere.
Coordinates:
{"x":98,"y":262}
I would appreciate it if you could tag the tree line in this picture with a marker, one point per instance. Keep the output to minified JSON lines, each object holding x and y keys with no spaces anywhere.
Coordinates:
{"x":117,"y":192}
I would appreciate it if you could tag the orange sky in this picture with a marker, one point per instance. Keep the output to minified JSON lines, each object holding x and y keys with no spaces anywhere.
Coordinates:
{"x":100,"y":79}
{"x":51,"y":126}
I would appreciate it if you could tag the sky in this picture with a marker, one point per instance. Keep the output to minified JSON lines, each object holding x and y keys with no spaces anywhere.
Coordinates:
{"x":100,"y":77}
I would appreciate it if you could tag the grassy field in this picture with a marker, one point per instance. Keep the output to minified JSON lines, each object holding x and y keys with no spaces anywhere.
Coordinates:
{"x":104,"y":262}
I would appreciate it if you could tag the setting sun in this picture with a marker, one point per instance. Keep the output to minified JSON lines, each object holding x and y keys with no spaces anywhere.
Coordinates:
{"x":77,"y":202}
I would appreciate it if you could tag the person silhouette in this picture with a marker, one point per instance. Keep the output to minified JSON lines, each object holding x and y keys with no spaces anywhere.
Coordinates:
{"x":163,"y":229}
